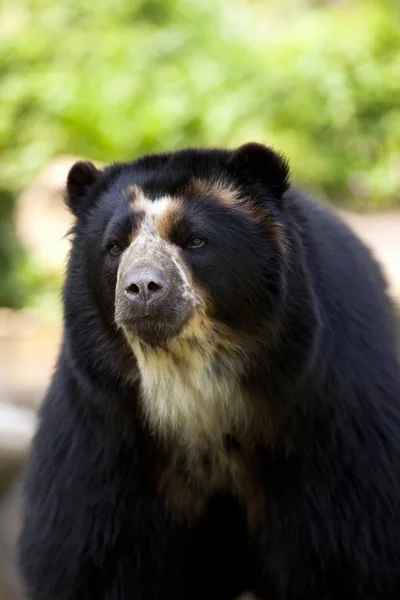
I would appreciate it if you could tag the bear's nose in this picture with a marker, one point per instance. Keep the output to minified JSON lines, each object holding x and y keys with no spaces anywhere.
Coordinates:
{"x":145,"y":284}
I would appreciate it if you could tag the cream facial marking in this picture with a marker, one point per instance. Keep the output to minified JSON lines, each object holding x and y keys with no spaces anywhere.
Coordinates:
{"x":223,"y":191}
{"x":189,"y":389}
{"x":191,"y":397}
{"x":151,"y":238}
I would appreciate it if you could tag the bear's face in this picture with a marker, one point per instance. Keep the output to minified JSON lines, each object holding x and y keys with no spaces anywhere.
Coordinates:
{"x":184,"y":245}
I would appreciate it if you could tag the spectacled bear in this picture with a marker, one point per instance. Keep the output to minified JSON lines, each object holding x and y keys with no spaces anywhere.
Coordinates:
{"x":225,"y":410}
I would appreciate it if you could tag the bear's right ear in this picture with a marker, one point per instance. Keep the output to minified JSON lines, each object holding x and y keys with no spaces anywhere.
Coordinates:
{"x":81,"y":177}
{"x":256,"y":162}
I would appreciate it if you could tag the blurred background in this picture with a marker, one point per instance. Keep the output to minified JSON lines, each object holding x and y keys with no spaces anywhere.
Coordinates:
{"x":112,"y":79}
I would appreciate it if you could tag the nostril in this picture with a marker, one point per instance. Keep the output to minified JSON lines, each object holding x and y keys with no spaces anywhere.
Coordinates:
{"x":132,"y":288}
{"x":152,"y":286}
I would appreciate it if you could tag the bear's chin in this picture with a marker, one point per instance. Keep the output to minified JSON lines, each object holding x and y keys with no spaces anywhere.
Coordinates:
{"x":155,"y":333}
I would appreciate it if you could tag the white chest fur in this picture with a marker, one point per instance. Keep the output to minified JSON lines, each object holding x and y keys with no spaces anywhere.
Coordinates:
{"x":191,"y":394}
{"x":192,"y":400}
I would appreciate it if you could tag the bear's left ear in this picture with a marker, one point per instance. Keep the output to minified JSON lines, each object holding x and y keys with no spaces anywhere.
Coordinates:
{"x":257,"y":162}
{"x":81,"y":177}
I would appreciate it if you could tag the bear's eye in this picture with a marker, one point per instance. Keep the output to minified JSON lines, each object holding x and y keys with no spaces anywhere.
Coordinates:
{"x":114,"y":249}
{"x":194,"y":242}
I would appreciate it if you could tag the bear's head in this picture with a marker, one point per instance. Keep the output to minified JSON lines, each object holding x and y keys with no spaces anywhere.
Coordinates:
{"x":184,"y":241}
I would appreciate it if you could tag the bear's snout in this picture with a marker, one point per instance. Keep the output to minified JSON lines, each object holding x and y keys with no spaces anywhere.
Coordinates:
{"x":150,"y":300}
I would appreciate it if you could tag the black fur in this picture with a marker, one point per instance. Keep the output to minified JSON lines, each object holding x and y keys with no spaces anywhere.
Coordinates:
{"x":327,"y":375}
{"x":80,"y":178}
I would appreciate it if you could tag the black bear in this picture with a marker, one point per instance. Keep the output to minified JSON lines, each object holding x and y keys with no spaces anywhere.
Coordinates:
{"x":225,"y":411}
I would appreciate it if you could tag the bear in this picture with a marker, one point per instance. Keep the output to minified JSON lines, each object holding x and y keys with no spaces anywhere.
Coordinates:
{"x":224,"y":414}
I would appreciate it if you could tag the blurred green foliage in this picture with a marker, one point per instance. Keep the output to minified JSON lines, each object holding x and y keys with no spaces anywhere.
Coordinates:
{"x":115,"y":78}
